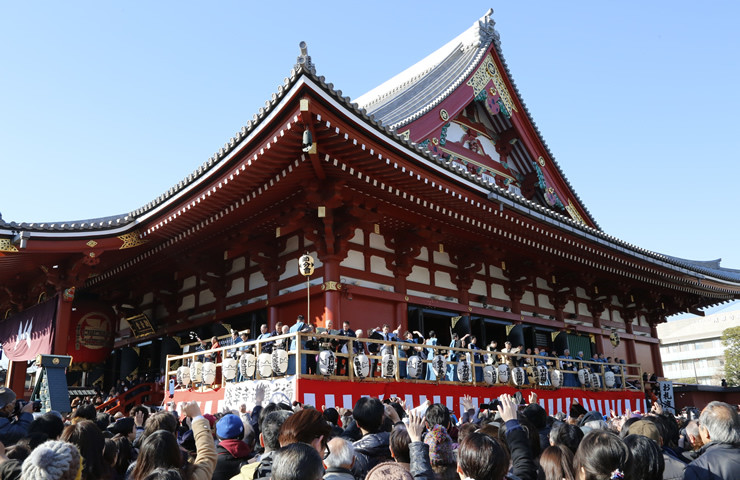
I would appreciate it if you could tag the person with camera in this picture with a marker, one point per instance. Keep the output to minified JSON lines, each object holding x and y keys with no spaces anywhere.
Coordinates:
{"x":14,"y":422}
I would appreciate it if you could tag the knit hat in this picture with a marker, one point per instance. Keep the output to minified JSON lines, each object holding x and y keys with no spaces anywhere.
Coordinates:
{"x":53,"y":460}
{"x":6,"y":396}
{"x":440,"y":446}
{"x":230,"y":426}
{"x":646,"y":429}
{"x":388,"y":471}
{"x":211,"y":419}
{"x":123,"y":426}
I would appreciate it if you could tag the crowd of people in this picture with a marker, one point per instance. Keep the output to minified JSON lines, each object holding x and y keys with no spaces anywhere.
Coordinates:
{"x":509,"y":438}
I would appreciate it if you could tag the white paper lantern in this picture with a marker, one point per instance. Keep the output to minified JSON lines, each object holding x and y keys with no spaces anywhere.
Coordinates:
{"x":595,"y":380}
{"x":327,"y":362}
{"x":248,"y":365}
{"x":490,"y":374}
{"x":518,"y":376}
{"x":489,"y":359}
{"x":531,"y":374}
{"x":306,"y":265}
{"x":464,"y":370}
{"x":541,"y":375}
{"x":209,"y":373}
{"x":439,"y":365}
{"x":183,"y":376}
{"x":388,"y":366}
{"x":279,"y":362}
{"x":196,"y":372}
{"x":609,"y":379}
{"x":361,"y":365}
{"x":264,"y":365}
{"x":584,"y":377}
{"x":229,"y":368}
{"x":503,"y":373}
{"x":413,"y":367}
{"x":556,"y":378}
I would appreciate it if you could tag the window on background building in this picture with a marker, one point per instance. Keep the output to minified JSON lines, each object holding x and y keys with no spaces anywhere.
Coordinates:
{"x":673,"y":348}
{"x":717,"y":343}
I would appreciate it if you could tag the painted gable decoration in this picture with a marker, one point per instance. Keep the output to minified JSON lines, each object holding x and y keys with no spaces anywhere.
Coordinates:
{"x":489,"y":86}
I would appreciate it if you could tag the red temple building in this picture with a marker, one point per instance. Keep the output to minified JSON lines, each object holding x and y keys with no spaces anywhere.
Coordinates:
{"x":431,"y":197}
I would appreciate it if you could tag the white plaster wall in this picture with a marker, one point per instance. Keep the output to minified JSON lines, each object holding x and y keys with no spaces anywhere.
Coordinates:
{"x":423,"y":254}
{"x":442,"y":258}
{"x":378,"y":242}
{"x":418,"y":293}
{"x":605,"y":314}
{"x":188,"y":302}
{"x":617,"y":316}
{"x":420,"y":275}
{"x":496,"y":272}
{"x":478,"y":288}
{"x":443,"y":280}
{"x":544,"y":301}
{"x":238,"y":265}
{"x":583,"y":310}
{"x":570,"y":307}
{"x":581,"y":293}
{"x":377,"y":265}
{"x":291,"y":245}
{"x":147,"y":298}
{"x":257,"y":280}
{"x":358,"y":237}
{"x":528,"y":299}
{"x":542,"y":284}
{"x":355,"y":259}
{"x":188,"y":283}
{"x":291,"y":268}
{"x":497,"y":291}
{"x":206,"y":297}
{"x":237,"y":287}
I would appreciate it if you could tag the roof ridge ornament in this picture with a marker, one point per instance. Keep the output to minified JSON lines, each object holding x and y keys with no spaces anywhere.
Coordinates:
{"x":304,"y":60}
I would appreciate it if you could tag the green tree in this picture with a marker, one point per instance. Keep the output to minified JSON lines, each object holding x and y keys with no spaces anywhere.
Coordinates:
{"x":731,"y":341}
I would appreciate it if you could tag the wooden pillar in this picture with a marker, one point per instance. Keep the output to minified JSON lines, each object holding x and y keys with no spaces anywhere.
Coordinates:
{"x":630,"y":343}
{"x":655,"y":352}
{"x":61,"y":326}
{"x":15,"y":378}
{"x":272,"y":309}
{"x":332,"y":294}
{"x":402,"y":311}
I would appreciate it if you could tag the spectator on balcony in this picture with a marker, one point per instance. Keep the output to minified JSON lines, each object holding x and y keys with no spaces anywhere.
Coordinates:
{"x":431,"y":353}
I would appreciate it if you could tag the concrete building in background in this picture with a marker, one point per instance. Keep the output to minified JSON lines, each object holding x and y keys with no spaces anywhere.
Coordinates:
{"x":692,"y":348}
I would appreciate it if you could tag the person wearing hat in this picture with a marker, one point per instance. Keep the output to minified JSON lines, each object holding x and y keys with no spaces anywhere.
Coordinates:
{"x":232,"y":451}
{"x":13,"y":429}
{"x":53,"y":460}
{"x":674,"y":468}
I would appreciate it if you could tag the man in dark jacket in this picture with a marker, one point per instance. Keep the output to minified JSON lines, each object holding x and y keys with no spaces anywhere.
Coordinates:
{"x":719,"y":459}
{"x":232,"y":451}
{"x":13,"y":430}
{"x":373,"y":448}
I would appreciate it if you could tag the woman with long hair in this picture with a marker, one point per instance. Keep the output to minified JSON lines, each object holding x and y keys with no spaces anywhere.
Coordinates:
{"x":90,"y":442}
{"x":160,"y":450}
{"x":306,"y":426}
{"x":556,"y":463}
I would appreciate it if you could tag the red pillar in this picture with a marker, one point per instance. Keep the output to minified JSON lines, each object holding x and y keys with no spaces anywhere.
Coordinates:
{"x":16,"y":378}
{"x":331,"y":295}
{"x":655,"y":352}
{"x":61,"y":326}
{"x":272,"y":310}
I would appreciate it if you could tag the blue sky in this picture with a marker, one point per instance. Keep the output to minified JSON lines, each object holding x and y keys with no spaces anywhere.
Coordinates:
{"x":104,"y":106}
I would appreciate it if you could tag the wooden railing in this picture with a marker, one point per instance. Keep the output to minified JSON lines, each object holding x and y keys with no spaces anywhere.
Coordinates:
{"x":144,"y":393}
{"x":629,"y":376}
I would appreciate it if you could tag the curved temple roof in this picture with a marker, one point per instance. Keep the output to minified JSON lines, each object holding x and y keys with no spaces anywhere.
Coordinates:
{"x":417,"y":88}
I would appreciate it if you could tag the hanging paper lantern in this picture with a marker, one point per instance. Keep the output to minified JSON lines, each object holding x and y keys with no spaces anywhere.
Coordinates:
{"x":248,"y":365}
{"x":541,"y":375}
{"x":584,"y":377}
{"x":413,"y":367}
{"x":595,"y":380}
{"x":264,"y":365}
{"x":464,"y":370}
{"x":183,"y":376}
{"x":209,"y":373}
{"x":518,"y":376}
{"x":556,"y":378}
{"x":388,"y":366}
{"x":306,"y":265}
{"x":327,"y":362}
{"x":229,"y":368}
{"x":196,"y":372}
{"x":489,"y":374}
{"x":503,"y":373}
{"x":609,"y":379}
{"x":439,"y":364}
{"x":279,"y":362}
{"x":361,"y":365}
